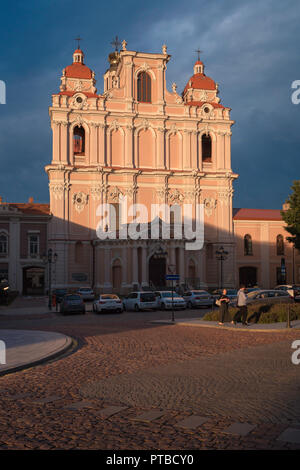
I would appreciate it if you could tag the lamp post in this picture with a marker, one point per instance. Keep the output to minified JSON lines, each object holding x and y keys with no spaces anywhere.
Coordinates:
{"x":221,"y":256}
{"x":49,"y":259}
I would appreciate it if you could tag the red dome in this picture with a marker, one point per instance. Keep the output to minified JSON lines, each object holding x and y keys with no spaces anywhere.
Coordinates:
{"x":199,"y":81}
{"x":78,"y":70}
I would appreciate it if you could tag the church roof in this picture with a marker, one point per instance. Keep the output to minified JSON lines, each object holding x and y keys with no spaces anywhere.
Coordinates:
{"x":200,"y":81}
{"x":256,"y":214}
{"x":78,"y":70}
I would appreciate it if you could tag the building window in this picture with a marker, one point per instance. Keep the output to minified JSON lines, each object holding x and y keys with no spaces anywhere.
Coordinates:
{"x":279,"y":245}
{"x":3,"y":244}
{"x":248,"y":245}
{"x":206,"y":148}
{"x":78,"y":140}
{"x":144,"y":87}
{"x":34,"y":245}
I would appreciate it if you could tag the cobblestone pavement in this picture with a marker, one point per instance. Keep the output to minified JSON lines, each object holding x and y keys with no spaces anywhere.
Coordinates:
{"x":222,"y":376}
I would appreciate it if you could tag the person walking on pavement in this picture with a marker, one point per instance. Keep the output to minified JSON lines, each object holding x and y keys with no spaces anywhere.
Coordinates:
{"x":224,"y":302}
{"x":241,"y":314}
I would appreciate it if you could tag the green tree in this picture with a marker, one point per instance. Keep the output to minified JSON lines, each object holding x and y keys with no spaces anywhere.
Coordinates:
{"x":291,"y":216}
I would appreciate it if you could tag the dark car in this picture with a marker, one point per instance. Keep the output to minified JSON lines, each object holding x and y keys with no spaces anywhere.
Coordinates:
{"x":59,"y":294}
{"x":72,"y":303}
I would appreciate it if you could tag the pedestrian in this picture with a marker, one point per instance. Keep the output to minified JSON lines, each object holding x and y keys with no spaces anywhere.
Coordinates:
{"x":223,"y":303}
{"x":242,"y":312}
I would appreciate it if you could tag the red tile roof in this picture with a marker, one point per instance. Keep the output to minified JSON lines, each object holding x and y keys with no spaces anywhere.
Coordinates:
{"x":256,"y":214}
{"x":200,"y":82}
{"x":86,"y":93}
{"x":78,"y":70}
{"x":34,"y":208}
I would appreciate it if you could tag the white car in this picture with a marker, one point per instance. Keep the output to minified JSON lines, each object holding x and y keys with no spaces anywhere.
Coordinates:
{"x":198,"y":298}
{"x":140,"y":301}
{"x":165,"y":300}
{"x":108,"y":303}
{"x":86,"y":293}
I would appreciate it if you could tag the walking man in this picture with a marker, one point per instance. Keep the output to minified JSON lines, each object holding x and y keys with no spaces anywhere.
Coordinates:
{"x":241,"y":314}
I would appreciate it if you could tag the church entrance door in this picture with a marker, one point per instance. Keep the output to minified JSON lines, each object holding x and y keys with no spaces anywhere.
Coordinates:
{"x":157,"y":272}
{"x":248,"y":276}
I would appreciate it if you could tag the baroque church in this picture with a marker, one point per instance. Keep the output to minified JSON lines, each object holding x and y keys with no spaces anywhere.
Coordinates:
{"x":149,"y":145}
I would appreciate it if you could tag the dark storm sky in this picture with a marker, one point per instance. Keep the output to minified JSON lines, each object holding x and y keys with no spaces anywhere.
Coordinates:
{"x":251,"y":48}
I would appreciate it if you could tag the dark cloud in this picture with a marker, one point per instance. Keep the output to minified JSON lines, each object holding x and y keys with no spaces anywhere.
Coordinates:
{"x":250,"y":49}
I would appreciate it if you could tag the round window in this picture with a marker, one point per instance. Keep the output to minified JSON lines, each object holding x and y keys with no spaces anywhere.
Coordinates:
{"x":79,"y":99}
{"x":206,"y":109}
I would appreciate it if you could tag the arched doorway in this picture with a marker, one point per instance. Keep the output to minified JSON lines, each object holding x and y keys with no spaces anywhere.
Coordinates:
{"x":33,"y":281}
{"x":157,"y":271}
{"x":248,"y":276}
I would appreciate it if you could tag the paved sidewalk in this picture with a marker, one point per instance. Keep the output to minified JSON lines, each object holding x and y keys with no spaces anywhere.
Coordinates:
{"x":24,"y":348}
{"x":259,"y":327}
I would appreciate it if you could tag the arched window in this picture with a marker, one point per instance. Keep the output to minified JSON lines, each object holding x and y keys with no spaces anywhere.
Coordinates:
{"x":144,"y":87}
{"x":206,"y":148}
{"x":279,"y":245}
{"x":78,"y":140}
{"x":248,"y":245}
{"x":3,"y":244}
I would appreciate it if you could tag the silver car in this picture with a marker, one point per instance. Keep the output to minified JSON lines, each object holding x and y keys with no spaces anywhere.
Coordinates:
{"x":198,"y":298}
{"x":86,"y":293}
{"x":268,"y":296}
{"x":165,"y":300}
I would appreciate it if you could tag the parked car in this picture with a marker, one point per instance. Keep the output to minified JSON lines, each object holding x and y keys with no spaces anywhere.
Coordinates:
{"x":59,"y":294}
{"x":72,"y":303}
{"x":164,"y":300}
{"x":268,"y":296}
{"x":198,"y":298}
{"x":139,"y":301}
{"x":108,"y":303}
{"x":292,"y":289}
{"x":86,"y":293}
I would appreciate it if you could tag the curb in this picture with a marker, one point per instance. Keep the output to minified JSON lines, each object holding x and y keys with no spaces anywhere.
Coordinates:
{"x":232,"y":328}
{"x":69,"y":344}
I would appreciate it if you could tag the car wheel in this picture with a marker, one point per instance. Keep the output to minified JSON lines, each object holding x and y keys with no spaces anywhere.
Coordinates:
{"x":189,"y":305}
{"x":136,"y":308}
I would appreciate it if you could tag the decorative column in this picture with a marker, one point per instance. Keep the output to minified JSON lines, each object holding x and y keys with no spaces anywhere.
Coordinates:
{"x":227,"y":150}
{"x":194,"y":157}
{"x":134,"y":264}
{"x":107,"y":267}
{"x":144,"y":267}
{"x":56,"y":141}
{"x":102,"y":144}
{"x":129,"y":146}
{"x":94,"y":143}
{"x":64,"y":146}
{"x":187,"y":156}
{"x":160,"y":148}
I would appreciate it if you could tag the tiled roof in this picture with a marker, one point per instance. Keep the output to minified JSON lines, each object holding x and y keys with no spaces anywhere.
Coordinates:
{"x":34,"y":208}
{"x":256,"y":214}
{"x":201,"y":82}
{"x":78,"y":70}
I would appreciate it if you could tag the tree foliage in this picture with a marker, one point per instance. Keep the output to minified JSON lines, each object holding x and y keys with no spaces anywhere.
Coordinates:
{"x":291,"y":216}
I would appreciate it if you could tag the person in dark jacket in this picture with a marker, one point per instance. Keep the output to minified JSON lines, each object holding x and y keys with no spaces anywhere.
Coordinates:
{"x":224,"y":302}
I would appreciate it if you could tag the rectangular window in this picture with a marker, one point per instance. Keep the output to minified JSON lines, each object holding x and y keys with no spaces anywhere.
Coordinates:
{"x":33,"y":243}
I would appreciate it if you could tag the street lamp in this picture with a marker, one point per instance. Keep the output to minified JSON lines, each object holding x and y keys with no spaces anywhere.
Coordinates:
{"x":49,"y":259}
{"x":221,"y":256}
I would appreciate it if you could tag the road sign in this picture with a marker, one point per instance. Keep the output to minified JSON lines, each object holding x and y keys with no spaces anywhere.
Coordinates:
{"x":172,"y":277}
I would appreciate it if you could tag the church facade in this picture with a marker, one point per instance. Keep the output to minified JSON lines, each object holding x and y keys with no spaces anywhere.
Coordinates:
{"x":139,"y":142}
